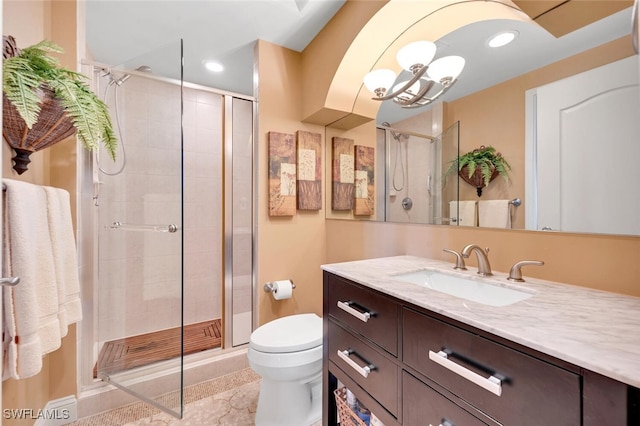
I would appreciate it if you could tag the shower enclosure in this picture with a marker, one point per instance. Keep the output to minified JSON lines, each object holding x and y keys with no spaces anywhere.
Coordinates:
{"x":172,"y":230}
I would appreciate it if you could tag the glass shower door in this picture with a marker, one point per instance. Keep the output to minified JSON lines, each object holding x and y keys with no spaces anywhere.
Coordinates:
{"x":139,"y":214}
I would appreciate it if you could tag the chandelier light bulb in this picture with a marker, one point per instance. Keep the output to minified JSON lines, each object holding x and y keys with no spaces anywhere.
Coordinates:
{"x":416,"y":53}
{"x":379,"y":81}
{"x":447,"y":68}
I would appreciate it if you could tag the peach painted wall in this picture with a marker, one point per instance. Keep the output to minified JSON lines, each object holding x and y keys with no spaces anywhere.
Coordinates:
{"x":30,"y":22}
{"x":287,"y":247}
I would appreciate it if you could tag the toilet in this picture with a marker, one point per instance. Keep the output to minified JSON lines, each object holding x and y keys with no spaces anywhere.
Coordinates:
{"x":287,"y":354}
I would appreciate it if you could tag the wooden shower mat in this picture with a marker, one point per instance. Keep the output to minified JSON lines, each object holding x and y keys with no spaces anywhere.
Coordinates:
{"x":136,"y":351}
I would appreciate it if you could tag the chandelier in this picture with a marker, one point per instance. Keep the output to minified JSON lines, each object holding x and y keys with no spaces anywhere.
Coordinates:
{"x":416,"y":58}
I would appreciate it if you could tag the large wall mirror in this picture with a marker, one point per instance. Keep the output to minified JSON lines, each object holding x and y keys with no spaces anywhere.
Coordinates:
{"x":496,"y":101}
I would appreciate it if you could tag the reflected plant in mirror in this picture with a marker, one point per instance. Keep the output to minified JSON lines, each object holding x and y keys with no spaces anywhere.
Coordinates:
{"x":480,"y":166}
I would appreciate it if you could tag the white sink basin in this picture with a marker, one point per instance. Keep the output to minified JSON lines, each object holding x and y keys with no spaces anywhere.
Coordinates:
{"x":477,"y":290}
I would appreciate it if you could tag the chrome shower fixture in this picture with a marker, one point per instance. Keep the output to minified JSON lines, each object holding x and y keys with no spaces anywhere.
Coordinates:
{"x":395,"y":135}
{"x":122,"y":79}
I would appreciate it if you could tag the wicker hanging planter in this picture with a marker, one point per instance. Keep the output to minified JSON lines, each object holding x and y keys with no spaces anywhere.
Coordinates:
{"x":477,"y":179}
{"x":53,"y":126}
{"x":52,"y":123}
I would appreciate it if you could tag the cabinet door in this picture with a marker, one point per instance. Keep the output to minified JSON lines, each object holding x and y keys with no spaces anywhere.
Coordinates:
{"x":424,"y":406}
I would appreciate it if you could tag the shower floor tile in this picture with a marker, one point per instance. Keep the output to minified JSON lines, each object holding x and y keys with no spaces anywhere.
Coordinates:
{"x":136,"y":351}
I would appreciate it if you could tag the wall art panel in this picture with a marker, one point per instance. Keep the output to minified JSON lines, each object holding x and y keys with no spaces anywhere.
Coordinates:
{"x":282,"y":174}
{"x":364,"y":180}
{"x":343,"y":174}
{"x":309,"y":171}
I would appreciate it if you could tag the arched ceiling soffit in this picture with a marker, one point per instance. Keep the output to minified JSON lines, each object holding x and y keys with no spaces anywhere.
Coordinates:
{"x":395,"y":25}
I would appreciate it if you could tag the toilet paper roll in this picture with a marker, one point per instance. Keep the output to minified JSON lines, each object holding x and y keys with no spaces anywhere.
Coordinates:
{"x":282,"y":289}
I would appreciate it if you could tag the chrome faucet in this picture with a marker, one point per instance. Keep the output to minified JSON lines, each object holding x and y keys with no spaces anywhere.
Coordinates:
{"x":484,"y":268}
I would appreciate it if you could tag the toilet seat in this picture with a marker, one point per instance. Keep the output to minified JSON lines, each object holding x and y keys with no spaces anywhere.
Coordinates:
{"x":292,"y":333}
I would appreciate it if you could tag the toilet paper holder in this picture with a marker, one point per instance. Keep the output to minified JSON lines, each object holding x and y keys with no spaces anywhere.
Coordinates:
{"x":271,"y":288}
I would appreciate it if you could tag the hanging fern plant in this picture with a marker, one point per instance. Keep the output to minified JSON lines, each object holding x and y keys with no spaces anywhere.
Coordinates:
{"x":29,"y":76}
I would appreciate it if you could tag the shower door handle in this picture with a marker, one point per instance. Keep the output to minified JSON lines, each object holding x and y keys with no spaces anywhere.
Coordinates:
{"x":10,"y":281}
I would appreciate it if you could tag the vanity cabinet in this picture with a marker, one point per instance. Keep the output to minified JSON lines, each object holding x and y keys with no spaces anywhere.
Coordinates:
{"x":427,"y":369}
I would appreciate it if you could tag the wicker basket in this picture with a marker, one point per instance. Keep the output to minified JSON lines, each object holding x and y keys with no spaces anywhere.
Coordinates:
{"x":476,"y":180}
{"x":347,"y":416}
{"x":53,"y":124}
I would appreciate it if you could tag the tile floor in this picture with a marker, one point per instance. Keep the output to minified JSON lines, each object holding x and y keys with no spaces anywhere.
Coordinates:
{"x":229,"y":400}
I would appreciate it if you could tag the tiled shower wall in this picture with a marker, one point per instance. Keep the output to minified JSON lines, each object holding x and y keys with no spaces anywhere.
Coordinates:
{"x":139,"y":287}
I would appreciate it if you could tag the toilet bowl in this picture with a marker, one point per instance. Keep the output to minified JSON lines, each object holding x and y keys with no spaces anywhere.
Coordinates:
{"x":287,"y":354}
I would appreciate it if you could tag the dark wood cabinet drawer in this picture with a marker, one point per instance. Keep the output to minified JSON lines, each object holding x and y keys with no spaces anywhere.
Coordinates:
{"x":381,"y":381}
{"x":371,"y":314}
{"x":531,"y":391}
{"x":424,"y":406}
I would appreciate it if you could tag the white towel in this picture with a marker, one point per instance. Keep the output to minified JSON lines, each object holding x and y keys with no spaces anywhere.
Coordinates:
{"x":494,"y":214}
{"x":465,"y":216}
{"x":31,"y":325}
{"x":65,"y":257}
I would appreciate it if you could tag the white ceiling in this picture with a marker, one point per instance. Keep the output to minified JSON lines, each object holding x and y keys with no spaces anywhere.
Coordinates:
{"x":148,"y":32}
{"x":132,"y":33}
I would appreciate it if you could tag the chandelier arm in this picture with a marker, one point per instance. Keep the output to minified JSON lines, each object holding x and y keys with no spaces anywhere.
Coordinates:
{"x":423,"y":91}
{"x":415,"y":78}
{"x":431,"y":99}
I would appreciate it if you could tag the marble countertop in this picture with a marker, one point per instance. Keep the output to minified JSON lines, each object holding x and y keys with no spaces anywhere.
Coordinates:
{"x":596,"y":330}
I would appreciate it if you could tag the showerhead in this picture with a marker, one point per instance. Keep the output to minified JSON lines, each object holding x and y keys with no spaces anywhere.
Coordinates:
{"x":122,"y":79}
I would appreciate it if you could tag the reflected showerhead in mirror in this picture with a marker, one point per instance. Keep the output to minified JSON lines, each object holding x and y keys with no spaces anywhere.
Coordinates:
{"x":395,"y":134}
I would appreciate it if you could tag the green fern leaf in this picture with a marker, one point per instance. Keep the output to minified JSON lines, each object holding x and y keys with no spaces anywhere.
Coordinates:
{"x":79,"y":110}
{"x":20,"y":86}
{"x":486,"y":172}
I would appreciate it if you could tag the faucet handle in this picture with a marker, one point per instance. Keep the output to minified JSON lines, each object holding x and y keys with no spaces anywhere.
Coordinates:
{"x":516,"y":274}
{"x":459,"y":260}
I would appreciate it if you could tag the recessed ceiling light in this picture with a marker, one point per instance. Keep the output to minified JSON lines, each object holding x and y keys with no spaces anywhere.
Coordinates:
{"x":213,"y":66}
{"x":502,"y":38}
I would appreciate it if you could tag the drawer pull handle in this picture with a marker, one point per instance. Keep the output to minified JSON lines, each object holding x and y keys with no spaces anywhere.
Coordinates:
{"x":444,"y":423}
{"x":492,"y":384}
{"x":364,"y":371}
{"x":346,"y":306}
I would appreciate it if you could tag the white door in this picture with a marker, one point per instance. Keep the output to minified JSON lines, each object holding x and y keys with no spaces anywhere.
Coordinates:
{"x":586,"y":150}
